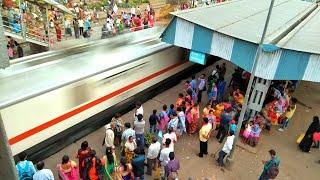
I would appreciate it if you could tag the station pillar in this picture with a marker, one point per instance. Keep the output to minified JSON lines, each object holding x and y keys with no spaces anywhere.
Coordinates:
{"x":4,"y":59}
{"x":6,"y":158}
{"x":258,"y":95}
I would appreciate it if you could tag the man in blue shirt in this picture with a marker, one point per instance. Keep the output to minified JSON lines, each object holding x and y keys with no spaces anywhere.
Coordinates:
{"x":201,"y":87}
{"x":138,"y":163}
{"x":224,"y":124}
{"x":153,"y":119}
{"x":221,"y":89}
{"x":171,"y":110}
{"x":193,"y":83}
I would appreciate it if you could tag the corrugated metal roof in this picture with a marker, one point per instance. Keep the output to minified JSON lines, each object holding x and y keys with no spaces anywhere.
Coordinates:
{"x":292,"y":44}
{"x":53,"y":3}
{"x":244,"y":19}
{"x":306,"y":36}
{"x":58,"y":5}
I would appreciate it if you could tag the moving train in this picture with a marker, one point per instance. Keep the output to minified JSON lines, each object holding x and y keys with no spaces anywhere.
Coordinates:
{"x":47,"y":123}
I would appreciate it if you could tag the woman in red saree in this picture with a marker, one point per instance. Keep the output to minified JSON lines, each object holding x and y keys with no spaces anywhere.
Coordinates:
{"x":179,"y":100}
{"x":58,"y":31}
{"x":8,"y":3}
{"x":151,"y":20}
{"x":83,"y":153}
{"x":188,"y":115}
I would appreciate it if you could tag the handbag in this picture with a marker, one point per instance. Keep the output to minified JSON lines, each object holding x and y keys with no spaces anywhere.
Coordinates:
{"x":300,"y":138}
{"x":273,"y":171}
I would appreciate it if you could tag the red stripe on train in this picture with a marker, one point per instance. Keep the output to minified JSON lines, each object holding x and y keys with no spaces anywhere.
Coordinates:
{"x":63,"y":117}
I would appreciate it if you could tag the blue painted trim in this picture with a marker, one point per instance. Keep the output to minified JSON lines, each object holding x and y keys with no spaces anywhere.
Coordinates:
{"x":169,"y":34}
{"x":292,"y":65}
{"x":269,"y":48}
{"x":202,"y":38}
{"x":243,"y":54}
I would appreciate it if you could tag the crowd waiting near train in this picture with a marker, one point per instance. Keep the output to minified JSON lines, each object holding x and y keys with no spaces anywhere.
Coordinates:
{"x":131,"y":151}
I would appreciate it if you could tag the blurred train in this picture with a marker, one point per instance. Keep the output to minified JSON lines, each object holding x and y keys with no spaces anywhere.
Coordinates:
{"x":51,"y":121}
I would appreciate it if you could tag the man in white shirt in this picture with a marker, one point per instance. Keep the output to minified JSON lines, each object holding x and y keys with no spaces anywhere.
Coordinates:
{"x":81,"y":25}
{"x":164,"y":156}
{"x":170,"y":135}
{"x":138,"y":126}
{"x":148,"y":7}
{"x":133,"y":11}
{"x":227,"y":147}
{"x":67,"y":27}
{"x":127,"y":133}
{"x":139,"y":110}
{"x":109,"y":139}
{"x":153,"y":153}
{"x":77,"y":9}
{"x":43,"y":174}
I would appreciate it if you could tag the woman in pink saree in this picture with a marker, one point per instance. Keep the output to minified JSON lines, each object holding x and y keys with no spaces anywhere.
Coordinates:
{"x":68,"y":170}
{"x":164,"y":118}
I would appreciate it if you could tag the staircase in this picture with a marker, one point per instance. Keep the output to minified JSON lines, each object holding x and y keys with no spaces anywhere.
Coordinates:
{"x":157,"y":5}
{"x":14,"y":30}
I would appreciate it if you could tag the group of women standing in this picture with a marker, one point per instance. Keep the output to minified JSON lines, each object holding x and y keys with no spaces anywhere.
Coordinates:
{"x":90,"y":166}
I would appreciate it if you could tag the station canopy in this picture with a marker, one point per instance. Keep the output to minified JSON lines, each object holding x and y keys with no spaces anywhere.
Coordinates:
{"x":54,"y":4}
{"x":233,"y":29}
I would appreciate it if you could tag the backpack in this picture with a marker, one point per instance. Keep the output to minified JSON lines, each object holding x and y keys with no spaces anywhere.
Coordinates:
{"x":85,"y":34}
{"x":25,"y":173}
{"x":273,"y":172}
{"x":204,"y":88}
{"x":88,"y":165}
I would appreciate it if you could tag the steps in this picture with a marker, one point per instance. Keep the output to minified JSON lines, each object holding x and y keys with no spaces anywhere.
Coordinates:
{"x":161,"y":8}
{"x":17,"y":34}
{"x":157,"y":4}
{"x":31,"y":40}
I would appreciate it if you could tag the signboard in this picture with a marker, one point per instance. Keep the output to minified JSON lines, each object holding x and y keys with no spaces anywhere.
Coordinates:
{"x":197,"y":57}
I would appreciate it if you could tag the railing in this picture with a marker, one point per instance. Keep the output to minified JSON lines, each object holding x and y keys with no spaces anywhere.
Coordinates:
{"x":192,"y":3}
{"x":96,"y":34}
{"x":16,"y":28}
{"x":50,"y":38}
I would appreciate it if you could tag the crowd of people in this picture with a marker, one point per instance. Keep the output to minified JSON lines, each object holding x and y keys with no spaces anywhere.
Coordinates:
{"x":62,"y":26}
{"x":14,"y":49}
{"x":218,"y":118}
{"x":115,"y":23}
{"x":134,"y":20}
{"x":195,"y":3}
{"x":166,"y":127}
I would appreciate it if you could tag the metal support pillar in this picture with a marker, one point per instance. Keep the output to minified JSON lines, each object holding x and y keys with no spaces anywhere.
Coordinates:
{"x":22,"y":23}
{"x":4,"y":59}
{"x":6,"y":160}
{"x":245,"y":104}
{"x":63,"y":28}
{"x":258,"y":95}
{"x":48,"y":27}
